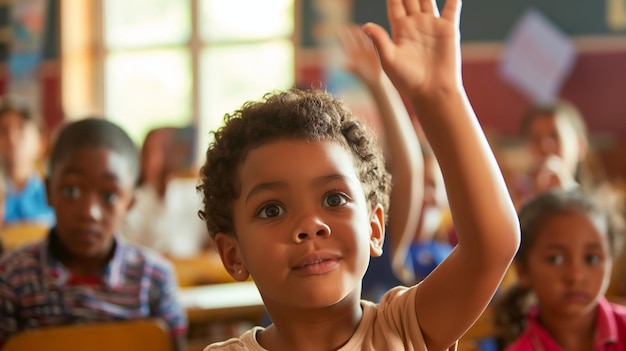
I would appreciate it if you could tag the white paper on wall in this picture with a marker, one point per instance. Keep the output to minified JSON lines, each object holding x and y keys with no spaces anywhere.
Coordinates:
{"x":538,"y":57}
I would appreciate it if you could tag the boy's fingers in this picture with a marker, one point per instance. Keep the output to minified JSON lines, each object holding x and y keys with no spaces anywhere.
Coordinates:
{"x":430,"y":6}
{"x":452,"y":11}
{"x":359,"y":36}
{"x":344,"y":37}
{"x":395,"y":9}
{"x":412,"y":6}
{"x":348,"y":36}
{"x":364,"y":40}
{"x":380,"y":38}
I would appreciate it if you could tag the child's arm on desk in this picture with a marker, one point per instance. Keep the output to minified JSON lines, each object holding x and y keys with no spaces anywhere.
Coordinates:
{"x":405,"y":162}
{"x":423,"y":61}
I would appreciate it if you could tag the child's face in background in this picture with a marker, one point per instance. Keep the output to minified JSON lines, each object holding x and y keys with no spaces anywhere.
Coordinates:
{"x":90,"y":191}
{"x":569,"y":265}
{"x":20,"y":140}
{"x":153,"y":157}
{"x":550,"y":135}
{"x":304,"y":229}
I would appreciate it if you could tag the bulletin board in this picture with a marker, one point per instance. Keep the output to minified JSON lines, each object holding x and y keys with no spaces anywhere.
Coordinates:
{"x":42,"y":29}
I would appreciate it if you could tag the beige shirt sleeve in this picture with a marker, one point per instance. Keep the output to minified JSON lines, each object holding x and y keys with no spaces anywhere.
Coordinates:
{"x":392,"y":325}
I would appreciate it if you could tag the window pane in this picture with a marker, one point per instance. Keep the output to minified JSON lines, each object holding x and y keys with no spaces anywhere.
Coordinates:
{"x":231,"y":76}
{"x":148,"y":89}
{"x":222,"y":20}
{"x":142,"y":23}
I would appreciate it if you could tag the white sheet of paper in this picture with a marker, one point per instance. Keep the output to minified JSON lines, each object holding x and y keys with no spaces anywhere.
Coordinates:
{"x":538,"y":57}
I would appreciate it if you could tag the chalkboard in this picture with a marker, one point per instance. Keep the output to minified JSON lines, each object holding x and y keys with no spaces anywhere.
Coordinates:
{"x":491,"y":20}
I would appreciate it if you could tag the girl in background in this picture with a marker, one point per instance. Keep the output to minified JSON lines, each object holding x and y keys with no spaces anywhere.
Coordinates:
{"x":557,"y":140}
{"x":564,"y":263}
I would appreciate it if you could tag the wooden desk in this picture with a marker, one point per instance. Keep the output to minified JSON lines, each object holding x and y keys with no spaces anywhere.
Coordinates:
{"x":203,"y":269}
{"x":222,"y":302}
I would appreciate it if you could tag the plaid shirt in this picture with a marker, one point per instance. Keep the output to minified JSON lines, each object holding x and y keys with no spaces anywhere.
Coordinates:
{"x":36,"y":290}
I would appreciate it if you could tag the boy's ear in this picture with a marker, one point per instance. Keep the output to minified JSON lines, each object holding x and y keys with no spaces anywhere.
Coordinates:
{"x":228,"y":248}
{"x":377,"y":230}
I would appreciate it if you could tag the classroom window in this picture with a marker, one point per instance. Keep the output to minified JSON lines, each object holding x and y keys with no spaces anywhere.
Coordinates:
{"x":180,"y":62}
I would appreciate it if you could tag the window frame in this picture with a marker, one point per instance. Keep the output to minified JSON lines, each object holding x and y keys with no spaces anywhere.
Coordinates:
{"x":86,"y":47}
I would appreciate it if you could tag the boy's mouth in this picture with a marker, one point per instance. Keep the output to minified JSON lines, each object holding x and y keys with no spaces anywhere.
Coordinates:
{"x":86,"y":235}
{"x":317,"y":263}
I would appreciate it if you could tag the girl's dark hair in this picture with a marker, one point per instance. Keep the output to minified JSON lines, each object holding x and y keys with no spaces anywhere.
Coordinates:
{"x":511,"y":305}
{"x":311,"y":115}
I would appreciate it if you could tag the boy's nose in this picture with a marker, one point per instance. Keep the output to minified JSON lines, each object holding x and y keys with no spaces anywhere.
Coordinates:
{"x":91,"y":208}
{"x":310,"y":227}
{"x":95,"y":211}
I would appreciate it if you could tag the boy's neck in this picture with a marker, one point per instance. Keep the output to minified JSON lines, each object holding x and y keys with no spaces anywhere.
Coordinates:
{"x":310,"y":330}
{"x":82,"y":266}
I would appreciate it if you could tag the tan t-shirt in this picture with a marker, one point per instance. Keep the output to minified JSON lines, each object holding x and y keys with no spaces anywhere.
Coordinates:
{"x":391,"y":325}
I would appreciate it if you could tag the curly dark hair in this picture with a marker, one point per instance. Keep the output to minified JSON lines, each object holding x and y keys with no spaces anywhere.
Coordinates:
{"x":311,"y":115}
{"x":604,"y":203}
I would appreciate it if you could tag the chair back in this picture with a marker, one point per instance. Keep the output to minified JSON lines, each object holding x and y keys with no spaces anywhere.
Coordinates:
{"x":16,"y":235}
{"x":142,"y":334}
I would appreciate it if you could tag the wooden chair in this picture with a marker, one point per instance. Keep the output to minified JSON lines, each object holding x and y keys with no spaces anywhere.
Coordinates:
{"x":144,"y":334}
{"x":203,"y":269}
{"x":16,"y":235}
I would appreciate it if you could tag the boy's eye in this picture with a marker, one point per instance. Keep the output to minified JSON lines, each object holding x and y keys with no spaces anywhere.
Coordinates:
{"x":556,"y":259}
{"x":271,"y":211}
{"x":593,"y":259}
{"x":110,"y":197}
{"x":334,"y":200}
{"x":71,"y":192}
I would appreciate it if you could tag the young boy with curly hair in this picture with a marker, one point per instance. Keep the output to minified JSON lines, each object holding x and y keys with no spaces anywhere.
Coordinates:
{"x":296,"y":193}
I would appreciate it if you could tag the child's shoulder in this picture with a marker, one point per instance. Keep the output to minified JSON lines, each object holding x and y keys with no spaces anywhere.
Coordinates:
{"x":24,"y":259}
{"x":143,"y":256}
{"x":618,"y":310}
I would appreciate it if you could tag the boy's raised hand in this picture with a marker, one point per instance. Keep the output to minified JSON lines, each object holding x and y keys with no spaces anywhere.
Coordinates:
{"x":361,"y":56}
{"x":423,"y":54}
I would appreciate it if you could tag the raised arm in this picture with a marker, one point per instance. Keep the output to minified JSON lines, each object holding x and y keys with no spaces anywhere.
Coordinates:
{"x":404,"y":157}
{"x":423,"y":61}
